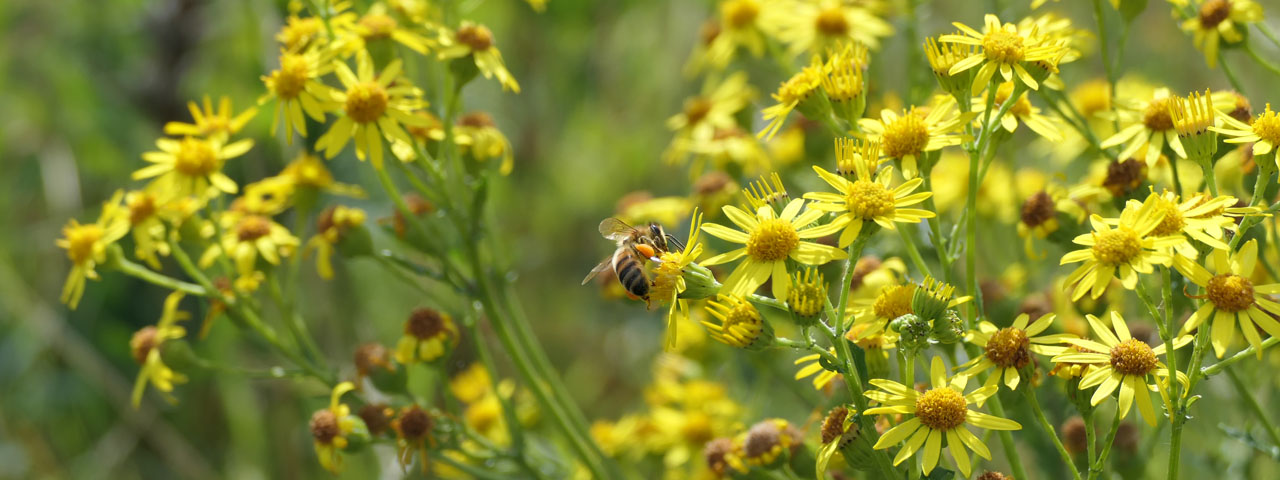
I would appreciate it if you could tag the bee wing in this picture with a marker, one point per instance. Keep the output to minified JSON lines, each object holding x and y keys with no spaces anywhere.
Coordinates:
{"x":604,"y":265}
{"x":614,"y":229}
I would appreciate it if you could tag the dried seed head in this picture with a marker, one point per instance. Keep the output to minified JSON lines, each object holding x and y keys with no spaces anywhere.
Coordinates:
{"x":324,"y":426}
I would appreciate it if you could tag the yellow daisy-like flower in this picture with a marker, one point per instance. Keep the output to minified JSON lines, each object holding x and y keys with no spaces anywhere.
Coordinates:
{"x":147,"y":227}
{"x":1221,"y":21}
{"x":427,"y":335}
{"x":707,"y":113}
{"x":794,"y":92}
{"x":1151,"y":128}
{"x":940,"y":412}
{"x":86,"y":246}
{"x":297,"y":88}
{"x":1264,"y":133}
{"x":668,"y":279}
{"x":1124,"y":251}
{"x":770,"y":239}
{"x":866,"y":199}
{"x":1008,"y":350}
{"x":211,"y":123}
{"x":817,"y":25}
{"x":307,"y":172}
{"x":145,"y":346}
{"x":740,"y":324}
{"x":1231,"y":297}
{"x":1201,"y":217}
{"x":247,"y":236}
{"x":333,"y":224}
{"x":190,"y":167}
{"x":872,"y":316}
{"x":377,"y":25}
{"x":372,"y":107}
{"x":478,"y":135}
{"x":907,"y":136}
{"x":1121,"y":362}
{"x":298,"y":33}
{"x":1021,"y":112}
{"x":1006,"y":49}
{"x":477,"y":41}
{"x":330,"y":428}
{"x":740,"y":29}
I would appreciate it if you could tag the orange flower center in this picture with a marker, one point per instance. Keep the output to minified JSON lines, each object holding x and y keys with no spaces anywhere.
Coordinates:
{"x":1008,"y":348}
{"x":1133,"y":357}
{"x":366,"y":102}
{"x":1214,"y":12}
{"x":941,"y":408}
{"x":252,"y":227}
{"x":1231,"y":293}
{"x":1267,"y":126}
{"x":696,"y":109}
{"x":478,"y":37}
{"x":1173,"y":221}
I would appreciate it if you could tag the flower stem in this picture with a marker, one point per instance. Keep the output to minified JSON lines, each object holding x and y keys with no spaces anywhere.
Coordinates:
{"x":1259,"y":197}
{"x":1248,"y":48}
{"x":910,"y":242}
{"x":1096,"y":469}
{"x":145,"y":274}
{"x":1258,"y":412}
{"x":1030,"y":392}
{"x":1212,"y":370}
{"x":1231,"y":75}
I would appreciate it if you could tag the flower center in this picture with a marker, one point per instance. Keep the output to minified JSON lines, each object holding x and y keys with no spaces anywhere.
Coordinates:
{"x":868,"y":199}
{"x":252,"y":227}
{"x":1156,"y":117}
{"x":739,"y":13}
{"x":289,"y":80}
{"x":1173,"y":221}
{"x":772,"y":240}
{"x":324,"y":426}
{"x":1123,"y":177}
{"x":1038,"y":209}
{"x":142,"y":342}
{"x":799,"y":86}
{"x":1133,"y":357}
{"x":1117,"y":246}
{"x":696,"y":109}
{"x":1008,"y":348}
{"x":832,"y":22}
{"x":478,"y":37}
{"x":905,"y":136}
{"x":81,"y":240}
{"x":476,"y":120}
{"x":697,"y":428}
{"x":941,"y":408}
{"x":141,"y":207}
{"x":1214,"y":12}
{"x":666,"y":277}
{"x":833,"y":426}
{"x":377,"y":26}
{"x":894,"y":302}
{"x":742,"y":314}
{"x":1002,"y":46}
{"x":195,"y":158}
{"x":414,"y":423}
{"x":424,"y":323}
{"x":1231,"y":293}
{"x":1267,"y":126}
{"x":1021,"y":108}
{"x":366,"y":102}
{"x":1241,"y":110}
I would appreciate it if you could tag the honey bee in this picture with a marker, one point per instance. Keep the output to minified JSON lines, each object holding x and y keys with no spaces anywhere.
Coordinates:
{"x":634,"y":246}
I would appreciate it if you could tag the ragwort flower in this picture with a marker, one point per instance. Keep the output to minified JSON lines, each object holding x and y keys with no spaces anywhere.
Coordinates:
{"x":477,"y":41}
{"x":146,"y":344}
{"x":1231,"y":297}
{"x":1006,"y":49}
{"x":907,"y":136}
{"x":86,"y":246}
{"x":372,"y":108}
{"x":1008,"y":350}
{"x":331,"y":427}
{"x":1124,"y":251}
{"x":769,"y":240}
{"x":209,"y":123}
{"x":191,"y":167}
{"x":669,"y":282}
{"x":867,"y":199}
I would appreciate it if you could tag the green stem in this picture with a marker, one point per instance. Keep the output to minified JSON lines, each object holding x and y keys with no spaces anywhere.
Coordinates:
{"x":910,"y":242}
{"x":1209,"y":179}
{"x":145,"y":274}
{"x":1248,"y":352}
{"x":293,"y":321}
{"x":1266,"y":32}
{"x":1231,"y":75}
{"x":1258,"y":412}
{"x":1006,"y":440}
{"x":1106,"y":56}
{"x":1096,"y":469}
{"x":935,"y":231}
{"x":1248,"y":48}
{"x":1090,"y":437}
{"x":1048,"y":428}
{"x":1259,"y":197}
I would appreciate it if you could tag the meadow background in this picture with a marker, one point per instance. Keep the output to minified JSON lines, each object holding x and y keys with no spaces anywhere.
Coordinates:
{"x":85,"y":87}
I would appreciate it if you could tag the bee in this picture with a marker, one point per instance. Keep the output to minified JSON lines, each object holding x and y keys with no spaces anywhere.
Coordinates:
{"x":634,"y":246}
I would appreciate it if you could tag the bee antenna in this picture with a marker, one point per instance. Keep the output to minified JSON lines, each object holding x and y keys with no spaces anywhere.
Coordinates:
{"x":678,"y":244}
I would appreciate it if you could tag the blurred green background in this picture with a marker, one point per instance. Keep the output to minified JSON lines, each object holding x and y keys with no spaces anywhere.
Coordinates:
{"x":87,"y":85}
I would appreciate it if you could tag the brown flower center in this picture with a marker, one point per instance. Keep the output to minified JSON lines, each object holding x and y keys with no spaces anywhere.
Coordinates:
{"x":696,"y":109}
{"x":1133,"y":357}
{"x":291,"y":78}
{"x":424,"y":323}
{"x":324,"y":426}
{"x":941,"y":408}
{"x":142,"y":342}
{"x":833,"y":426}
{"x":761,"y":439}
{"x":1123,"y":177}
{"x":1214,"y":12}
{"x":375,"y":418}
{"x":739,"y":13}
{"x":478,"y":37}
{"x":1008,"y":348}
{"x":252,"y":227}
{"x":1230,"y":293}
{"x":414,"y":423}
{"x":832,"y":22}
{"x":1173,"y":221}
{"x":366,"y":102}
{"x":1156,"y":117}
{"x":1039,"y":208}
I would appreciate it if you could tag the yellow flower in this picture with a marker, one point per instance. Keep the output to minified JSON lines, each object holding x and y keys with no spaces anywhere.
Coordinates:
{"x":247,"y":235}
{"x":377,"y":25}
{"x":477,"y":134}
{"x":797,"y":91}
{"x":817,"y":25}
{"x":1221,"y":21}
{"x":86,"y":246}
{"x":330,"y":428}
{"x":866,"y":199}
{"x":1123,"y":251}
{"x":298,"y":33}
{"x":707,"y":113}
{"x":296,"y":87}
{"x":146,"y":344}
{"x":307,"y":171}
{"x":471,"y":383}
{"x":1231,"y":297}
{"x":740,"y":29}
{"x":427,"y":335}
{"x":190,"y":167}
{"x":872,"y":316}
{"x":145,"y":214}
{"x":1007,"y":49}
{"x":477,"y":41}
{"x":769,"y":240}
{"x":1123,"y":362}
{"x":1022,"y":111}
{"x":740,"y":324}
{"x":907,"y":136}
{"x":942,"y":411}
{"x":413,"y":427}
{"x":1009,"y":349}
{"x":1151,"y":128}
{"x":1201,"y":217}
{"x":209,"y":123}
{"x":668,"y":279}
{"x":1264,"y":133}
{"x":373,"y":107}
{"x":334,"y":222}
